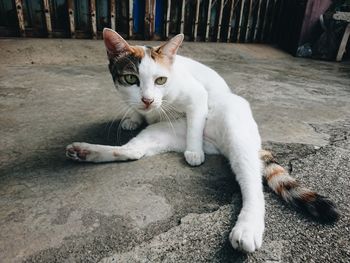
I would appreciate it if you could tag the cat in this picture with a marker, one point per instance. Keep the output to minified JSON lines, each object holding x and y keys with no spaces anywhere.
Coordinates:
{"x":155,"y":80}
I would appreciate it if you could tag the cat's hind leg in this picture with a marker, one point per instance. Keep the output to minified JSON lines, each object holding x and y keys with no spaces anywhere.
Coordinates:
{"x":156,"y":138}
{"x":231,"y":124}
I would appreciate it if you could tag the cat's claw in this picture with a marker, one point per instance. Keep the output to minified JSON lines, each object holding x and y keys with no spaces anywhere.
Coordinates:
{"x":247,"y":236}
{"x":194,"y":158}
{"x":130,"y":125}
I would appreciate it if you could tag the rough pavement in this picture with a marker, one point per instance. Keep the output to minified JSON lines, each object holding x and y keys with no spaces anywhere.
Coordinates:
{"x":158,"y":209}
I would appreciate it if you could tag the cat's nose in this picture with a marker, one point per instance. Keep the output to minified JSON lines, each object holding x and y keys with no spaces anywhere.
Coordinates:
{"x":147,"y":102}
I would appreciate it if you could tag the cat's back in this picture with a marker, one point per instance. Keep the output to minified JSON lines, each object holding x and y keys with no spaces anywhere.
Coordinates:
{"x":209,"y":78}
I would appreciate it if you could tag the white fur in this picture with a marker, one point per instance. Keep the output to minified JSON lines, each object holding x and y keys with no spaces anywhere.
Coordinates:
{"x":229,"y":129}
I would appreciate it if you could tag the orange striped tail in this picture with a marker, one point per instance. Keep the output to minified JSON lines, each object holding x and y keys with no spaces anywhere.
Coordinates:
{"x":280,"y":181}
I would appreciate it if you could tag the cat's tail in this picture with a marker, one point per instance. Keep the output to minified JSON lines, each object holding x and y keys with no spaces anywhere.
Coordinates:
{"x":279,"y":180}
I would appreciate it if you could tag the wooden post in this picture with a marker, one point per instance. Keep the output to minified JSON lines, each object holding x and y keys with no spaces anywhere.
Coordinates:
{"x":257,"y":25}
{"x":265,"y":20}
{"x":19,"y":8}
{"x":149,"y":18}
{"x":250,"y":19}
{"x":232,"y":9}
{"x":93,"y":18}
{"x":71,"y":18}
{"x":272,"y":21}
{"x":112,"y":4}
{"x":47,"y":17}
{"x":131,"y":19}
{"x":343,"y":43}
{"x":208,"y":22}
{"x":153,"y":15}
{"x":182,"y":16}
{"x":220,"y":22}
{"x":167,"y":19}
{"x":196,"y":21}
{"x":344,"y":16}
{"x":240,"y":20}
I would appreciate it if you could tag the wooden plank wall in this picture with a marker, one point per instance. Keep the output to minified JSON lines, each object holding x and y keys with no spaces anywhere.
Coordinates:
{"x":243,"y":21}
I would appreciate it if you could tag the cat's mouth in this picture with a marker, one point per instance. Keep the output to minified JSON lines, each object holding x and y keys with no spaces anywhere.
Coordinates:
{"x":146,"y":109}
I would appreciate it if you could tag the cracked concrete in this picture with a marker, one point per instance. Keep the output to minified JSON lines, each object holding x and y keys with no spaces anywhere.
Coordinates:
{"x":158,"y":209}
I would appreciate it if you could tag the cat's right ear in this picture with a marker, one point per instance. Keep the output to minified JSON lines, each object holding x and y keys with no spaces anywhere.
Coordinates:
{"x":114,"y":43}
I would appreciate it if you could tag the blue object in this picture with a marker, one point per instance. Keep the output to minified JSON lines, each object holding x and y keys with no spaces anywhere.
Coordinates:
{"x":159,"y":17}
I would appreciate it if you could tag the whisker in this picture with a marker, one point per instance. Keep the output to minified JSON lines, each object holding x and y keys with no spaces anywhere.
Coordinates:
{"x":171,"y":124}
{"x":119,"y":126}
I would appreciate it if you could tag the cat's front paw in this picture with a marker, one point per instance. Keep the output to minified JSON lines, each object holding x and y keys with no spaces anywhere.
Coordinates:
{"x":130,"y":125}
{"x":247,"y":235}
{"x":194,"y":158}
{"x":81,"y":152}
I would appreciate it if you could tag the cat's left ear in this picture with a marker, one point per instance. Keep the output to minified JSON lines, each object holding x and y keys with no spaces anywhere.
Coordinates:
{"x":170,"y":48}
{"x":114,"y":43}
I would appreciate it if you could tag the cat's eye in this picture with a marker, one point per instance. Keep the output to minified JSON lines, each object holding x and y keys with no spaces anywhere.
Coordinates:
{"x":131,"y":79}
{"x":161,"y":80}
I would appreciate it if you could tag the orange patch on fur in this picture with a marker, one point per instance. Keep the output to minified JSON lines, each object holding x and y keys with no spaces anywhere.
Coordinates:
{"x":138,"y":52}
{"x":115,"y":154}
{"x":276,"y":171}
{"x":160,"y":58}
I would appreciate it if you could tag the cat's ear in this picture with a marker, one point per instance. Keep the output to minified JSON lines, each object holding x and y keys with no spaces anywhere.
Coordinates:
{"x":114,"y":43}
{"x":170,"y":48}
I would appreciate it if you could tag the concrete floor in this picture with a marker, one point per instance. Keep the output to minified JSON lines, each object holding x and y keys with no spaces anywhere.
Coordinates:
{"x":158,"y":209}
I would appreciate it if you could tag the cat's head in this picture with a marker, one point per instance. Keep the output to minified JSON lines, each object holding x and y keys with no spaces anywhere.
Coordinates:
{"x":142,"y":74}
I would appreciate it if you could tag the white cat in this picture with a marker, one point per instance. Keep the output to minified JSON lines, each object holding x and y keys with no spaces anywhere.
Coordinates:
{"x":155,"y":82}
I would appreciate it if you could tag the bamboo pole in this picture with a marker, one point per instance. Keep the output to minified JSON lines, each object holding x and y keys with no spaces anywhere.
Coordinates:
{"x":182,"y":17}
{"x":71,"y":18}
{"x":93,"y":18}
{"x":167,"y":19}
{"x":131,"y":19}
{"x":208,"y":22}
{"x":149,"y":18}
{"x":230,"y":20}
{"x":196,"y":21}
{"x":47,"y":17}
{"x":153,"y":18}
{"x":273,"y":10}
{"x":220,"y":20}
{"x":112,"y":4}
{"x":240,"y":21}
{"x":20,"y":17}
{"x":257,"y":25}
{"x":249,"y":22}
{"x":265,"y":20}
